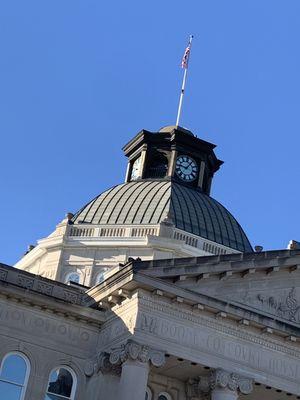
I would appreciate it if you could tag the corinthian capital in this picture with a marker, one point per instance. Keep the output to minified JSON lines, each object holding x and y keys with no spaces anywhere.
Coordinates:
{"x":201,"y":387}
{"x":135,"y":351}
{"x":105,"y":366}
{"x":232,"y":381}
{"x":112,"y":362}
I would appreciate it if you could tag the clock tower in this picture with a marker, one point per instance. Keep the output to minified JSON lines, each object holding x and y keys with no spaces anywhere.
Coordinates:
{"x":172,"y":153}
{"x":163,"y":210}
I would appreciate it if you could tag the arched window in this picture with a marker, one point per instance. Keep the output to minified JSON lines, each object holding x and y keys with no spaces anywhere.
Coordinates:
{"x":157,"y":165}
{"x":14,"y":373}
{"x":62,"y":384}
{"x":100,"y":276}
{"x":148,"y":395}
{"x":73,"y":277}
{"x":164,"y":396}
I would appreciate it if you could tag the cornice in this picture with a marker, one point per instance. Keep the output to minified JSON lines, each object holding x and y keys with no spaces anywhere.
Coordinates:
{"x":235,"y":310}
{"x":131,"y":273}
{"x":270,"y":262}
{"x":151,"y":303}
{"x":45,"y":294}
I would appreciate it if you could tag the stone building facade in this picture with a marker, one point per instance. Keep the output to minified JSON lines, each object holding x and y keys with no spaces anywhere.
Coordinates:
{"x":152,"y":292}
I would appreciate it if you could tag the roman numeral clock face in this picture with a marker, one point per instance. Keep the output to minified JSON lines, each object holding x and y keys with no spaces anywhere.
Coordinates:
{"x":186,"y":168}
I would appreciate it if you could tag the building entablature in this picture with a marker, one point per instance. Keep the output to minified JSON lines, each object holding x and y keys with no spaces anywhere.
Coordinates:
{"x":199,"y":333}
{"x":47,"y":295}
{"x":128,"y":281}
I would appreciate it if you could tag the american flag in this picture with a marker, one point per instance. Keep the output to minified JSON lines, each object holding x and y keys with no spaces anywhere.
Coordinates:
{"x":185,"y":58}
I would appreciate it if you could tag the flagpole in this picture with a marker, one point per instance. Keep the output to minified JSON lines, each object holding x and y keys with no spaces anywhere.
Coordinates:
{"x":185,"y":66}
{"x":181,"y":96}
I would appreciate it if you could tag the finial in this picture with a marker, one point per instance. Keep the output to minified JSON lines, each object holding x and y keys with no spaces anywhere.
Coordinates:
{"x":29,"y":248}
{"x":258,"y":249}
{"x":69,"y":217}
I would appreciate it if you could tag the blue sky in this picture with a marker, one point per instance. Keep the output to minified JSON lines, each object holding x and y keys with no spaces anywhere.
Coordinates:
{"x":78,"y":79}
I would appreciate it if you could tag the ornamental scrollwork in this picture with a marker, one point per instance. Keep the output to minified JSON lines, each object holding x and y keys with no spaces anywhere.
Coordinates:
{"x":285,"y":306}
{"x":230,"y":380}
{"x":101,"y":363}
{"x":131,"y":350}
{"x":135,"y":351}
{"x":200,"y":388}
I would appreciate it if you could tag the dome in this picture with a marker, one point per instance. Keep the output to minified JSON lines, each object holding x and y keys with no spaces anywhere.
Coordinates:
{"x":171,"y":128}
{"x":151,"y":201}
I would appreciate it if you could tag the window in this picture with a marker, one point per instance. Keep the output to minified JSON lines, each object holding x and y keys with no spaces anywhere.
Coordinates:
{"x":14,"y":374}
{"x":148,"y":395}
{"x":164,"y":396}
{"x":100,"y":276}
{"x":62,"y":384}
{"x":157,"y":166}
{"x":73,"y":276}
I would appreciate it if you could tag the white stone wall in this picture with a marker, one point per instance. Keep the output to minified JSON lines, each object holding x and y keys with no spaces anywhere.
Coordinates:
{"x":61,"y":253}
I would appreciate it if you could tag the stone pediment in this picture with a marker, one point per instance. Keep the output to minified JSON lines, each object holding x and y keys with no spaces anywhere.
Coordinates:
{"x":267,"y":283}
{"x":276,"y":294}
{"x":283,"y":303}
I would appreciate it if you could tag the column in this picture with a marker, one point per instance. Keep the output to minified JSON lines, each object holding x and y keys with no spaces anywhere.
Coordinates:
{"x":224,"y":394}
{"x":132,"y":361}
{"x":227,"y":385}
{"x":133,"y":382}
{"x":172,"y":163}
{"x":219,"y":385}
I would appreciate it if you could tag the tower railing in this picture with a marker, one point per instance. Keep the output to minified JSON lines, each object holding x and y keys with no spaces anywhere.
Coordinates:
{"x":138,"y":232}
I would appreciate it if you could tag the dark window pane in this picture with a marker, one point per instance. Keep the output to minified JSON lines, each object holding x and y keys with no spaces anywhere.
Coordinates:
{"x":61,"y":382}
{"x":74,"y":277}
{"x":54,"y":397}
{"x":14,"y":369}
{"x":9,"y":391}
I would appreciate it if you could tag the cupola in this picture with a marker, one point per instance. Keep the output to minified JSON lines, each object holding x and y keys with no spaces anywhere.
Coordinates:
{"x":172,"y":153}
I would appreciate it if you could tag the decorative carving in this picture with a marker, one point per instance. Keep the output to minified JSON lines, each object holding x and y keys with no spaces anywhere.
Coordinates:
{"x":284,"y":304}
{"x":135,"y":351}
{"x":285,"y":307}
{"x":106,"y":366}
{"x":25,"y":282}
{"x":45,"y":288}
{"x":70,"y":297}
{"x":3,"y":275}
{"x":112,"y":362}
{"x":89,"y":368}
{"x":200,"y":388}
{"x":101,"y":363}
{"x":216,"y":324}
{"x":245,"y":385}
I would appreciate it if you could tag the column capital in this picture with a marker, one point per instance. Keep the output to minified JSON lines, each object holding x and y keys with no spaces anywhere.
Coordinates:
{"x":231,"y":380}
{"x":131,"y":350}
{"x":106,"y":367}
{"x":219,"y":378}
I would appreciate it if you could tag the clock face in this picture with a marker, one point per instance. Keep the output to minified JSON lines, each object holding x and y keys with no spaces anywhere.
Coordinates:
{"x":186,"y":168}
{"x":135,"y":171}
